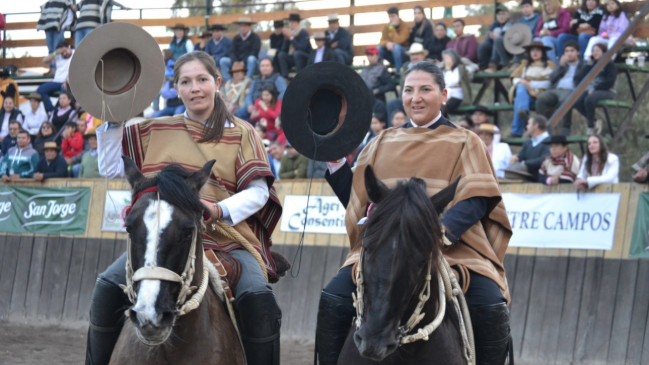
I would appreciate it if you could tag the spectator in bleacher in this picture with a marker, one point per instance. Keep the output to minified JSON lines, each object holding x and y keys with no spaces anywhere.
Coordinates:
{"x":376,"y":75}
{"x":601,"y":88}
{"x":236,"y":89}
{"x":466,"y":45}
{"x":173,"y":104}
{"x":561,"y":166}
{"x":35,"y":115}
{"x":9,"y":112}
{"x":534,"y":150}
{"x":267,"y":108}
{"x":46,"y":133}
{"x":9,"y":139}
{"x":62,"y":57}
{"x":398,"y":118}
{"x":530,"y":18}
{"x":456,"y":78}
{"x":488,"y":54}
{"x":293,"y":165}
{"x":169,"y":61}
{"x":599,"y":166}
{"x":275,"y":152}
{"x":563,"y":80}
{"x":339,"y":40}
{"x":529,"y":80}
{"x":57,"y":16}
{"x":417,"y":53}
{"x":201,"y":45}
{"x":52,"y":165}
{"x":8,"y":86}
{"x":89,"y":167}
{"x":296,"y":47}
{"x":500,"y":152}
{"x":613,"y":24}
{"x":322,"y":53}
{"x":180,"y":43}
{"x":93,"y":13}
{"x":437,"y":44}
{"x":394,"y":39}
{"x":21,"y":160}
{"x":73,"y":142}
{"x":480,"y":116}
{"x":75,"y":163}
{"x":583,"y":26}
{"x":220,"y":45}
{"x":276,"y":43}
{"x":554,"y":22}
{"x":422,"y":31}
{"x":245,"y":48}
{"x":465,"y":122}
{"x":267,"y":76}
{"x":378,"y":124}
{"x":64,"y":112}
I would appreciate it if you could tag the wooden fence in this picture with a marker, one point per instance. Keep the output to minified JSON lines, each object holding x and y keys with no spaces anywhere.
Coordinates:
{"x":568,"y":306}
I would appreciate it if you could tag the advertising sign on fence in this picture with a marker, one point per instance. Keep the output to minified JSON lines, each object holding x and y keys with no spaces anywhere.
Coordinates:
{"x":566,"y":221}
{"x":43,"y":210}
{"x":324,"y":214}
{"x":116,"y":201}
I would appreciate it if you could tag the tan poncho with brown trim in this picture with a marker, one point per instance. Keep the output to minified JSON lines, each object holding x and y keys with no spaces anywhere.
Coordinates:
{"x":438,"y":157}
{"x":240,"y":158}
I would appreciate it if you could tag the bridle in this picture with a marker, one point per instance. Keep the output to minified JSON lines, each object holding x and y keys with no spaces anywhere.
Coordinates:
{"x":183,"y":306}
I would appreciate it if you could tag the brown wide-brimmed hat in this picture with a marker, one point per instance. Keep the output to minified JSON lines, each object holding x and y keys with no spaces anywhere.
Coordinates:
{"x":50,"y":146}
{"x":180,"y":26}
{"x":517,"y":37}
{"x":537,"y":44}
{"x":35,"y":96}
{"x":238,"y":67}
{"x":244,"y":20}
{"x":517,"y":171}
{"x":118,"y":65}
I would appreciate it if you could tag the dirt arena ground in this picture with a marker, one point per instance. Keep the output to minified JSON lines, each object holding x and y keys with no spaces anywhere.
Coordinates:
{"x":29,"y":344}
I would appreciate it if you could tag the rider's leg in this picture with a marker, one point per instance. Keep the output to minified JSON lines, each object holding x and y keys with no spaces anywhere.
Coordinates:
{"x":335,"y":315}
{"x":106,"y":313}
{"x":490,"y":318}
{"x":259,"y":316}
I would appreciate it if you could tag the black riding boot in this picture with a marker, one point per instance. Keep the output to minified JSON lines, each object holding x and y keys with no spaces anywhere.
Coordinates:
{"x":493,"y":341}
{"x":106,"y":320}
{"x":335,"y":316}
{"x":259,"y":319}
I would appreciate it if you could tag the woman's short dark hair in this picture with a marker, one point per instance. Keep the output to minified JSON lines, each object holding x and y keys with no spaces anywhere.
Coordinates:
{"x":544,"y":58}
{"x":380,"y":117}
{"x":603,"y":155}
{"x":429,"y":68}
{"x":441,"y":24}
{"x":273,"y":92}
{"x":40,"y":130}
{"x":617,"y":12}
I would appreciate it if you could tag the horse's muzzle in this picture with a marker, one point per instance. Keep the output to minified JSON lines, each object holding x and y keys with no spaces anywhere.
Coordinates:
{"x":374,"y":348}
{"x":152,"y":331}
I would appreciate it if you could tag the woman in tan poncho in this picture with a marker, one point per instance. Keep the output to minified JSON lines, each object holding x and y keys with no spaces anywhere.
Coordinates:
{"x":434,"y":149}
{"x":239,"y":191}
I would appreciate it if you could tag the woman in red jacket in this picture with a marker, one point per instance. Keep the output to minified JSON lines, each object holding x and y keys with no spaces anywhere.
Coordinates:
{"x":267,"y":108}
{"x":72,"y":142}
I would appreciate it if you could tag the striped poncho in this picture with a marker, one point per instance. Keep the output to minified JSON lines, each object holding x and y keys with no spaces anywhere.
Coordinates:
{"x":53,"y":14}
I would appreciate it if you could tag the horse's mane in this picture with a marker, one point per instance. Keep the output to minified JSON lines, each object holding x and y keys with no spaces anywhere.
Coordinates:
{"x":407,"y":212}
{"x":173,"y":189}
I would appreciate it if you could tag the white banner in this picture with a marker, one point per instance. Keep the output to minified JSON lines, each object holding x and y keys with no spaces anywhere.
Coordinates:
{"x":325,"y":214}
{"x":562,"y":220}
{"x":116,"y":201}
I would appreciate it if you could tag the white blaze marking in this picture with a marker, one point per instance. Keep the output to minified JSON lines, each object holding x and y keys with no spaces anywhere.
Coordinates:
{"x":149,"y":289}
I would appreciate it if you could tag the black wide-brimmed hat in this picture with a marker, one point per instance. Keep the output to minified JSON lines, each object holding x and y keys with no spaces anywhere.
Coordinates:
{"x":294,"y":17}
{"x":328,"y":111}
{"x":561,"y":139}
{"x":482,"y":109}
{"x":218,"y":27}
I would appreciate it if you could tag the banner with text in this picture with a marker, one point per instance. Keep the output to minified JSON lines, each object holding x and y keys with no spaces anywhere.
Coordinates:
{"x":566,"y":221}
{"x":44,"y":210}
{"x":116,"y":201}
{"x":324,"y":214}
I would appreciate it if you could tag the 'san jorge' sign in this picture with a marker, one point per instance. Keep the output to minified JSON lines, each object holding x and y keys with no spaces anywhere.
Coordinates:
{"x":43,"y":210}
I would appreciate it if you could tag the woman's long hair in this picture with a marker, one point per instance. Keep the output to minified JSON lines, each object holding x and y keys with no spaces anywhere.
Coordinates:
{"x":617,"y":12}
{"x":584,"y":8}
{"x":544,"y":58}
{"x":601,"y":46}
{"x":556,"y":4}
{"x":602,"y":155}
{"x":454,"y":56}
{"x":274,"y":94}
{"x":213,"y":129}
{"x":426,"y":23}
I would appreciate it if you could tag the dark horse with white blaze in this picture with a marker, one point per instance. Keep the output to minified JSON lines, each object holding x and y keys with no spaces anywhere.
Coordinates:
{"x":161,"y":225}
{"x":402,"y":235}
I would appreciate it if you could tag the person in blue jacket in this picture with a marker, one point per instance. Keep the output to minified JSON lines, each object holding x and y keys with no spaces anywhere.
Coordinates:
{"x":219,"y":46}
{"x":296,"y":48}
{"x":339,"y":40}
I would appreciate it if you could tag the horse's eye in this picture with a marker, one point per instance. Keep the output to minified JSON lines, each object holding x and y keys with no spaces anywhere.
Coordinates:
{"x":129,"y":229}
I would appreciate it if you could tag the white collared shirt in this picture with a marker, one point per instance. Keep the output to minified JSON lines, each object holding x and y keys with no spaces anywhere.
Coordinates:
{"x":427,"y":125}
{"x":319,"y":54}
{"x":537,"y":140}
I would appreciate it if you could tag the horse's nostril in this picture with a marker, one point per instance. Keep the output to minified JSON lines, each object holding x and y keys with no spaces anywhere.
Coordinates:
{"x":166,"y":318}
{"x":358,"y":340}
{"x":391,"y":348}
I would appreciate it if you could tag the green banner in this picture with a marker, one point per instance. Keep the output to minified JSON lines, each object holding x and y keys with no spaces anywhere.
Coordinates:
{"x":640,"y":239}
{"x":44,"y":210}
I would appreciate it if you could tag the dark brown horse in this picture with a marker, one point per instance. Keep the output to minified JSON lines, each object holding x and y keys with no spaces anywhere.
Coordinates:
{"x":161,"y":225}
{"x":402,"y":235}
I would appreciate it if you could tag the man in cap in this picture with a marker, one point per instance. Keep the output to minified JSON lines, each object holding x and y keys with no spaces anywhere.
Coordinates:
{"x":466,"y":45}
{"x":62,"y":57}
{"x":376,"y":76}
{"x":267,"y":76}
{"x":53,"y":165}
{"x":394,"y":39}
{"x":220,"y":45}
{"x":8,"y":87}
{"x":21,"y":160}
{"x":561,"y":166}
{"x":488,"y":55}
{"x":293,"y":164}
{"x":534,"y":150}
{"x":296,"y":47}
{"x":417,"y":53}
{"x":245,"y":48}
{"x":322,"y":53}
{"x":339,"y":40}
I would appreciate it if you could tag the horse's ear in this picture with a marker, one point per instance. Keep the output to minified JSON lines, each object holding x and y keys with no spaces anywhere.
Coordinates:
{"x":374,"y":187}
{"x":197,"y":179}
{"x":444,"y":196}
{"x":132,"y":173}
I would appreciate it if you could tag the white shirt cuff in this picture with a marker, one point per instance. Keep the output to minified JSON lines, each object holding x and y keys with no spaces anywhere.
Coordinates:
{"x":244,"y":204}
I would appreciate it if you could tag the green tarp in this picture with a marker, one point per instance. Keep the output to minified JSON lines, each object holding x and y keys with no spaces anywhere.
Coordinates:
{"x":640,"y":239}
